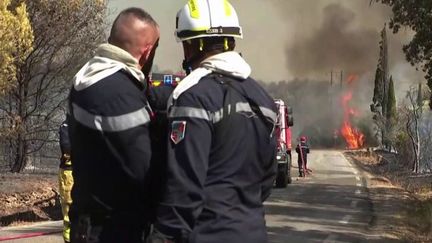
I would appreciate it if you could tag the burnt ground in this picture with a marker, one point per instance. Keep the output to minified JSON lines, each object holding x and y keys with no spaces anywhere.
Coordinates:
{"x":402,"y":200}
{"x":28,"y":198}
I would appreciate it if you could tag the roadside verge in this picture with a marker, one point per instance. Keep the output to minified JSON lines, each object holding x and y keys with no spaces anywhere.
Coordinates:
{"x":397,"y":212}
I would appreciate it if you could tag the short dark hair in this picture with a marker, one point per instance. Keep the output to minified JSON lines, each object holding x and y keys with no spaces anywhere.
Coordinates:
{"x":138,"y":13}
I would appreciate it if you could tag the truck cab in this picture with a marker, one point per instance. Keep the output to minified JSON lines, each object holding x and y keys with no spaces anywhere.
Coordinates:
{"x":284,"y":146}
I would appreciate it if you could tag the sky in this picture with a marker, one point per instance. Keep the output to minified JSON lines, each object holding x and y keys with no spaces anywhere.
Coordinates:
{"x":289,"y":39}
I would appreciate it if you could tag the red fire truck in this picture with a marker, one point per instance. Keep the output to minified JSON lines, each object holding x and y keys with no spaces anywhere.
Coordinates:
{"x":283,"y":134}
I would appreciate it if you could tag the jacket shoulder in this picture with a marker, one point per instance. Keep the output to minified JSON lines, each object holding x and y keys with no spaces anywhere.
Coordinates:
{"x":117,"y":83}
{"x":114,"y":95}
{"x":207,"y":93}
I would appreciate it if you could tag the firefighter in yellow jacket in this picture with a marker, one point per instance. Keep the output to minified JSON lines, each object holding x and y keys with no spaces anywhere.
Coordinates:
{"x":65,"y":177}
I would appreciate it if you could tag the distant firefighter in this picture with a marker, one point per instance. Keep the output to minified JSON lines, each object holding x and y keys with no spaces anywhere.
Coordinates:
{"x":302,"y":150}
{"x":65,"y":178}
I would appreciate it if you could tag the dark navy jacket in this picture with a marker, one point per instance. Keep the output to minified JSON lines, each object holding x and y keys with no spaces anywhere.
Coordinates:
{"x":158,"y":100}
{"x":111,"y":148}
{"x":222,"y":167}
{"x":65,"y":145}
{"x":303,"y":152}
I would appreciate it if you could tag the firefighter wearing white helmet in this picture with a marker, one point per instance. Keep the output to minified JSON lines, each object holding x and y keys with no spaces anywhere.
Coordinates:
{"x":207,"y":19}
{"x":202,"y":21}
{"x":221,"y":148}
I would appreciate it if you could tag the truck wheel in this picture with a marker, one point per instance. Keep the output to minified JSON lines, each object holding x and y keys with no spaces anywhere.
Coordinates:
{"x":281,"y":180}
{"x":289,"y":179}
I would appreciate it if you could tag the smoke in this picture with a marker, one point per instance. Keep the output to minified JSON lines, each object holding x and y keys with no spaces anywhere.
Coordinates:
{"x":343,"y":36}
{"x":288,"y":39}
{"x":318,"y":112}
{"x":336,"y":45}
{"x":300,"y":42}
{"x":334,"y":36}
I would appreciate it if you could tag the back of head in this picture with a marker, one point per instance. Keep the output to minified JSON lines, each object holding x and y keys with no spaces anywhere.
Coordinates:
{"x":132,"y":29}
{"x":303,"y":139}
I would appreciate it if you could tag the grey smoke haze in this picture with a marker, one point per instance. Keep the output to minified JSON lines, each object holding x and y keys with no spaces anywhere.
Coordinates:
{"x":287,"y":39}
{"x":318,"y":110}
{"x":334,"y":46}
{"x":341,"y":35}
{"x":301,"y":41}
{"x":332,"y":35}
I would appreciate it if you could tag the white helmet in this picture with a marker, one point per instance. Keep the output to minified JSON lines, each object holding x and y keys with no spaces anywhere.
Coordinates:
{"x":207,"y":18}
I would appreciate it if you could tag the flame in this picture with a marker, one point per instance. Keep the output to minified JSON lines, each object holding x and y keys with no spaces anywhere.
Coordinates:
{"x":353,"y":137}
{"x":352,"y":78}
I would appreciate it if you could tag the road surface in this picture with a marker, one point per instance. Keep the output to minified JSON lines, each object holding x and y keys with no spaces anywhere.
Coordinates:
{"x":331,"y":205}
{"x":51,"y":233}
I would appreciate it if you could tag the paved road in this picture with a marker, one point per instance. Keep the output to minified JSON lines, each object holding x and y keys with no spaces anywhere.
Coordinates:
{"x":331,"y":205}
{"x":31,"y":232}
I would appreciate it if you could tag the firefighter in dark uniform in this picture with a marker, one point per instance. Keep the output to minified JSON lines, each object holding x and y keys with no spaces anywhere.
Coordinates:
{"x":109,"y":132}
{"x":302,"y":150}
{"x":221,"y":148}
{"x":65,"y":177}
{"x":158,"y":99}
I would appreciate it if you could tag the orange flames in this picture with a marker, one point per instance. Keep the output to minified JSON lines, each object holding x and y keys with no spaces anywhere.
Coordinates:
{"x":353,"y":137}
{"x":352,"y":78}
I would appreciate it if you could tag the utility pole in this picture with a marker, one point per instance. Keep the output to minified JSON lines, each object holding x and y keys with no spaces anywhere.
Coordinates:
{"x":331,"y":78}
{"x":333,"y":93}
{"x":341,"y":79}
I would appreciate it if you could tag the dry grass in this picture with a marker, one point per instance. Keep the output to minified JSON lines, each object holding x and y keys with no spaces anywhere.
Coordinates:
{"x":389,"y":176}
{"x":392,"y":169}
{"x":420,"y":217}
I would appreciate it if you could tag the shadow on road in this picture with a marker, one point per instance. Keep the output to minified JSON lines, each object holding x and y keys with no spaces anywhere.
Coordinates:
{"x":308,"y":212}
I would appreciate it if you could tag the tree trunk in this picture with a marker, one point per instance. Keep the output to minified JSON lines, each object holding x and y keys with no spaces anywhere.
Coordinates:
{"x":20,"y":149}
{"x":20,"y":156}
{"x":413,"y":143}
{"x":418,"y":148}
{"x":415,"y":138}
{"x":415,"y":160}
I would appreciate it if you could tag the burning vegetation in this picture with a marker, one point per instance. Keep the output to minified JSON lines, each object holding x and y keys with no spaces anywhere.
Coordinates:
{"x":354,"y":138}
{"x":328,"y":114}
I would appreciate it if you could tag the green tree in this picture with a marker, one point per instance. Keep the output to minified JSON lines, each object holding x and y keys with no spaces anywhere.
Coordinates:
{"x":377,"y":99}
{"x":16,"y":42}
{"x":65,"y":34}
{"x":417,"y":16}
{"x":391,"y":103}
{"x":391,"y":116}
{"x":380,"y":98}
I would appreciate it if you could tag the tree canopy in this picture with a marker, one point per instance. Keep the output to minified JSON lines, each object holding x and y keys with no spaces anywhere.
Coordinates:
{"x":65,"y":34}
{"x":16,"y":41}
{"x":416,"y":15}
{"x":380,"y":95}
